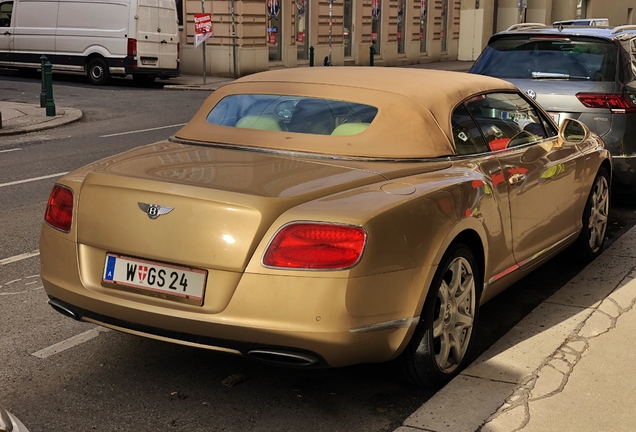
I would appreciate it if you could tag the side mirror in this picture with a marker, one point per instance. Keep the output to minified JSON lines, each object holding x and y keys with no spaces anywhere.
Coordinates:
{"x":573,"y":131}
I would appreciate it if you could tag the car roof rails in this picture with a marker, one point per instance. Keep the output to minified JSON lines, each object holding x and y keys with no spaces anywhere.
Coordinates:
{"x":523,"y":26}
{"x":623,"y":28}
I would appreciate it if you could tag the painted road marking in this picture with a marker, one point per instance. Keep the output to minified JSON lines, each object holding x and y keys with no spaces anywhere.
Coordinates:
{"x":32,"y":179}
{"x":18,"y":258}
{"x":69,"y":343}
{"x":142,"y":130}
{"x":10,"y":150}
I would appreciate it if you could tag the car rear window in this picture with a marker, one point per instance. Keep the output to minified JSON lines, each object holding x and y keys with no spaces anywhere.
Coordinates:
{"x":519,"y":57}
{"x":298,"y":114}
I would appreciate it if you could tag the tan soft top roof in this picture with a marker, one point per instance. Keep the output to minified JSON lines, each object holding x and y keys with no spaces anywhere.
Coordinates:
{"x":413,"y":120}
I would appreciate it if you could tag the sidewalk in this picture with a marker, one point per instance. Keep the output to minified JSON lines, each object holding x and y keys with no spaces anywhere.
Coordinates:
{"x":18,"y":118}
{"x":567,"y":366}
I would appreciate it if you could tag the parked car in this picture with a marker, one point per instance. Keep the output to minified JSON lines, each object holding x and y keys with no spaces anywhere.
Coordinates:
{"x":10,"y":423}
{"x":584,"y":73}
{"x":101,"y":39}
{"x":328,"y":216}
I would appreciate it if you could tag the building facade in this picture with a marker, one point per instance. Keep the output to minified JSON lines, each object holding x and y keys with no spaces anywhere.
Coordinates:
{"x":256,"y":35}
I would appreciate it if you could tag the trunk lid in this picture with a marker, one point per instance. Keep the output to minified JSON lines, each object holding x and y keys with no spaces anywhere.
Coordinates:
{"x":223,"y":201}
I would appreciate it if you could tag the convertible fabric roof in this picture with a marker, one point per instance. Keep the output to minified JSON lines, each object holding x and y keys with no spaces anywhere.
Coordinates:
{"x":414,"y":109}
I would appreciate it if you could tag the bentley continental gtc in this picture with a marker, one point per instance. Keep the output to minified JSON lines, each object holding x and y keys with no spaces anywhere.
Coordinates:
{"x":323,"y":217}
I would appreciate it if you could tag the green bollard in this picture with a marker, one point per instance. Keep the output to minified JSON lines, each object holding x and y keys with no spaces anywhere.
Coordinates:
{"x":311,"y":56}
{"x":43,"y":60}
{"x":371,"y":54}
{"x":50,"y":104}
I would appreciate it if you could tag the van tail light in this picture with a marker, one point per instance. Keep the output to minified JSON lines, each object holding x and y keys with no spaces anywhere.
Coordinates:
{"x":318,"y":246}
{"x":59,"y":209}
{"x":178,"y":50}
{"x":616,"y":103}
{"x":132,"y":47}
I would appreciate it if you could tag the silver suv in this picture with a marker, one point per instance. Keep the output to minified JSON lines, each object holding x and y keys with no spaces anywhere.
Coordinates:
{"x":585,"y":73}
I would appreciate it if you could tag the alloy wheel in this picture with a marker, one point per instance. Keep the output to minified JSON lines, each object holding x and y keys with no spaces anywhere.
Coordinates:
{"x":598,"y":215}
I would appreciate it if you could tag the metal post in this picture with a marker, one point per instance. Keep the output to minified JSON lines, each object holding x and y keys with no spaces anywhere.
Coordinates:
{"x":204,"y":62}
{"x":234,"y":43}
{"x":50,"y":104}
{"x":330,"y":27}
{"x":371,"y":54}
{"x":43,"y":60}
{"x":311,"y":56}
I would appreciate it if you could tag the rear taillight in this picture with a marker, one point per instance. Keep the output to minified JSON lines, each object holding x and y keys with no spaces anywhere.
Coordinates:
{"x":132,"y":47}
{"x":315,"y":246}
{"x":616,"y":103}
{"x":59,"y":209}
{"x":178,"y":50}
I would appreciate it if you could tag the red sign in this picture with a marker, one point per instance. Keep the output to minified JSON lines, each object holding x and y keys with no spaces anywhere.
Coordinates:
{"x":300,"y":37}
{"x":202,"y":27}
{"x":272,"y":38}
{"x":374,"y":36}
{"x":202,"y":23}
{"x":421,"y":34}
{"x":399,"y":35}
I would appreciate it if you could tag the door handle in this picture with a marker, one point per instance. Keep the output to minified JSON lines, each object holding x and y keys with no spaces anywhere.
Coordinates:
{"x":164,"y":41}
{"x":7,"y":33}
{"x":516,"y":179}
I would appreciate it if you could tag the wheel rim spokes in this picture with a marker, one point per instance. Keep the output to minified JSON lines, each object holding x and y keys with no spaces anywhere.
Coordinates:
{"x":597,"y":223}
{"x":454,"y":319}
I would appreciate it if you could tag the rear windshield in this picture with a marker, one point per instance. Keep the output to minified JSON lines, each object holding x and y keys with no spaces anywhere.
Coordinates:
{"x":292,"y":114}
{"x":518,"y":57}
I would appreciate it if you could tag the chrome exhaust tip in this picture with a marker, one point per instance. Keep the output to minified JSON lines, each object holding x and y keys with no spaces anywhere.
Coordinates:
{"x":64,"y":309}
{"x":284,"y":358}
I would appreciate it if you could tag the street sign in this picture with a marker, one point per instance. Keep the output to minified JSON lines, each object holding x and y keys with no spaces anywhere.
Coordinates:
{"x":202,"y":27}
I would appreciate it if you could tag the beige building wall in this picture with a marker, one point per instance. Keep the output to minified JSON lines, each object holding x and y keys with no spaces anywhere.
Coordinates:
{"x":619,"y":12}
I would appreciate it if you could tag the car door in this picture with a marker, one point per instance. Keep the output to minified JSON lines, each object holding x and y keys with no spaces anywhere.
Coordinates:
{"x":6,"y":28}
{"x":540,"y":173}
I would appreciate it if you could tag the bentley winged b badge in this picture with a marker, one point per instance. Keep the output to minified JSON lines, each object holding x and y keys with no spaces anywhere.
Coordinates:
{"x":154,"y":210}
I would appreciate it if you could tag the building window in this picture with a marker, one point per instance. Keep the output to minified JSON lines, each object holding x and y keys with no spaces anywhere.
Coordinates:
{"x":401,"y":21}
{"x":347,"y":35}
{"x":423,"y":25}
{"x":179,"y":4}
{"x":581,"y":9}
{"x":302,"y":29}
{"x":274,"y":29}
{"x":376,"y":25}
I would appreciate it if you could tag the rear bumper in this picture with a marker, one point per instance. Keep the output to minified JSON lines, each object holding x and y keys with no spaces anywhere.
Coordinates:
{"x":335,"y":321}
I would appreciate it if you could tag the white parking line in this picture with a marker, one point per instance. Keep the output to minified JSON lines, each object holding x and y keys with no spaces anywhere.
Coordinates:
{"x":69,"y":343}
{"x":18,"y":257}
{"x":10,"y":150}
{"x":32,"y":179}
{"x":141,"y":130}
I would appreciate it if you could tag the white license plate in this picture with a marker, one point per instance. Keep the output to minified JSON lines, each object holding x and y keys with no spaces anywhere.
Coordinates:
{"x":556,"y":117}
{"x":149,"y":62}
{"x":161,"y":280}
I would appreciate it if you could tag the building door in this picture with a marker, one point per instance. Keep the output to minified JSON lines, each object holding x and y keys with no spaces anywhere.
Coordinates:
{"x":376,"y":25}
{"x":348,"y":27}
{"x":423,"y":25}
{"x":302,"y":29}
{"x":274,"y":30}
{"x":401,"y":24}
{"x":444,"y":32}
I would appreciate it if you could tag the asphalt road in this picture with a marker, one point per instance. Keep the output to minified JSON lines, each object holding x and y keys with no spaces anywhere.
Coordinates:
{"x":108,"y":381}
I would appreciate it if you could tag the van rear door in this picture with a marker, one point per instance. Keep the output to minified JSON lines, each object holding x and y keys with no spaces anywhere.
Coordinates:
{"x":157,"y":35}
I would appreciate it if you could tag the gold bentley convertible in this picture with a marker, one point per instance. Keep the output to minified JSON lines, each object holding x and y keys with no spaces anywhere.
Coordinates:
{"x":328,"y":216}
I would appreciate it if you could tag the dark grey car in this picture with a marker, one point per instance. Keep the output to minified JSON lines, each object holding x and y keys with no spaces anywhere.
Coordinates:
{"x":585,"y":73}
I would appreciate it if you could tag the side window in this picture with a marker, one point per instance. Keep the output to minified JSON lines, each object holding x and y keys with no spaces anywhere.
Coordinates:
{"x":466,"y":135}
{"x":507,"y":120}
{"x":5,"y":14}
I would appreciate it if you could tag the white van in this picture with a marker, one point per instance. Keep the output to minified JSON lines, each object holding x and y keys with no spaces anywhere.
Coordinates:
{"x":99,"y":37}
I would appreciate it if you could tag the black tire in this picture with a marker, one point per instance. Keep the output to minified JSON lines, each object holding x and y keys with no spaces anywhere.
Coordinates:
{"x":143,"y":80}
{"x":97,"y":71}
{"x":590,"y":241}
{"x":430,"y":359}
